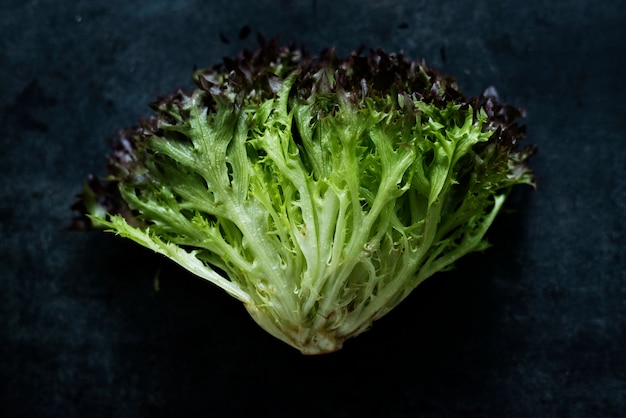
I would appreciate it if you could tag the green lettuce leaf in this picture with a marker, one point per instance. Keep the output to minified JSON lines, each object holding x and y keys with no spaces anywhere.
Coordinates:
{"x":318,"y":191}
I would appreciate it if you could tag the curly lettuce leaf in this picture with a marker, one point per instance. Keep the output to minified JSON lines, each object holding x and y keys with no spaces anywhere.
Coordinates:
{"x":319,"y":192}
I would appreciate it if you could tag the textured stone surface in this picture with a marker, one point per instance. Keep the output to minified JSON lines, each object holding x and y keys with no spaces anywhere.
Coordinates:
{"x":535,"y":326}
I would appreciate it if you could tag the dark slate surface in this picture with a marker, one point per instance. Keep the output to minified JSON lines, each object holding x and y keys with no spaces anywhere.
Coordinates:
{"x":535,"y":327}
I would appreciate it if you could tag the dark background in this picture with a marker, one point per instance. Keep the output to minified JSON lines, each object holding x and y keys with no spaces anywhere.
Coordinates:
{"x":534,"y":327}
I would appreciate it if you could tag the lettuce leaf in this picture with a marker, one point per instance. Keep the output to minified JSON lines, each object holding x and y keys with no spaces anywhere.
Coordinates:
{"x":318,"y":191}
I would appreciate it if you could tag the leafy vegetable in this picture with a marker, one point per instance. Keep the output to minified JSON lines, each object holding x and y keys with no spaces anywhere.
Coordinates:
{"x":318,"y":191}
